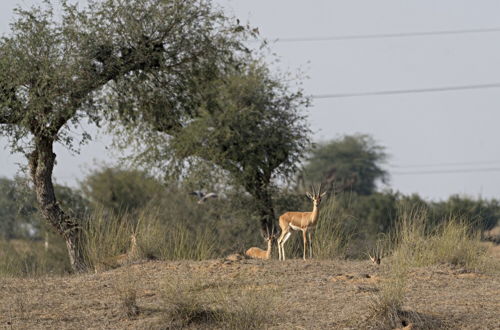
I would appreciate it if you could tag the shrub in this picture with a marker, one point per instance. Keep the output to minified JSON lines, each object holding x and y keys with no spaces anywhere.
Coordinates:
{"x":452,"y":241}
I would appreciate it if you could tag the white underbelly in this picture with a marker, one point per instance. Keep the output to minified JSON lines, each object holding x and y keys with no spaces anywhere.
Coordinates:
{"x":311,"y":226}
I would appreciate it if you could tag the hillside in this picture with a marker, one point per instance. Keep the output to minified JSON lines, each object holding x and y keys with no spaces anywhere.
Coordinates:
{"x":293,"y":294}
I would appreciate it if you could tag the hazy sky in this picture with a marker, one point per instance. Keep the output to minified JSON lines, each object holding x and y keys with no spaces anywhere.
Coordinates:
{"x":455,"y":132}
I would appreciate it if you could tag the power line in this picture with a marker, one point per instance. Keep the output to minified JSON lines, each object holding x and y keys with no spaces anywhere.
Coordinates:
{"x":407,"y":91}
{"x":388,"y":35}
{"x":469,"y":170}
{"x":445,"y":164}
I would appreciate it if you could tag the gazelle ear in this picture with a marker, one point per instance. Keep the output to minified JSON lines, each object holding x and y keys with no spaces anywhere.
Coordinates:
{"x":323,"y":194}
{"x":308,"y":194}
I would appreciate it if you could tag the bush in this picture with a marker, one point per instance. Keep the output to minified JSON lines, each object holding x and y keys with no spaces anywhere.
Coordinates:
{"x":452,"y":241}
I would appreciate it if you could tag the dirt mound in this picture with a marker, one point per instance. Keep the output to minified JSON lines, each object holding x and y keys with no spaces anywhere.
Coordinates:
{"x":298,"y":294}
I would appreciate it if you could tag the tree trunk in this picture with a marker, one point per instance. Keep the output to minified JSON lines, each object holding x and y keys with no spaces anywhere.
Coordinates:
{"x":265,"y":210}
{"x":41,"y":165}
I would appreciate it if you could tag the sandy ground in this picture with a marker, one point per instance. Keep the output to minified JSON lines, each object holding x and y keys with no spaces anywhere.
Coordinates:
{"x":316,"y":294}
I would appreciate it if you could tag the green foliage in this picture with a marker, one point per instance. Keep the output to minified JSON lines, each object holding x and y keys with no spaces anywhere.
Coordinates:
{"x":252,"y":127}
{"x":53,"y":70}
{"x":248,"y":125}
{"x":352,"y":163}
{"x":110,"y":60}
{"x":120,"y":190}
{"x":481,"y":214}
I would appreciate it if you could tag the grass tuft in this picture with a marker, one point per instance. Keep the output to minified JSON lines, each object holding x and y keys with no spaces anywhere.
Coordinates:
{"x":107,"y":239}
{"x":128,"y":298}
{"x":207,"y":304}
{"x":453,"y":241}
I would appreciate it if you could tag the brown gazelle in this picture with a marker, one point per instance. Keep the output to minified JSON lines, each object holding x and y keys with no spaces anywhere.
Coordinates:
{"x":257,"y":253}
{"x":302,"y":221}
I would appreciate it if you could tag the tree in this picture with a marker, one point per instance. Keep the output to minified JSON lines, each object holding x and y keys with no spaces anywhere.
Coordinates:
{"x":249,"y":125}
{"x":55,"y":73}
{"x":351,"y":163}
{"x":118,"y":189}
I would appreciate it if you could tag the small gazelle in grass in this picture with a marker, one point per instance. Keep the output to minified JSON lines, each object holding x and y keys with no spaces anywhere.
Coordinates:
{"x":302,"y":221}
{"x":378,"y":253}
{"x":257,"y":253}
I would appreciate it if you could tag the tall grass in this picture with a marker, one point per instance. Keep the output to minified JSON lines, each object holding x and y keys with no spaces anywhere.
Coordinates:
{"x":386,"y":306}
{"x":108,"y":236}
{"x":173,"y":240}
{"x":418,"y":242}
{"x":452,"y":241}
{"x":330,"y":236}
{"x":28,"y":258}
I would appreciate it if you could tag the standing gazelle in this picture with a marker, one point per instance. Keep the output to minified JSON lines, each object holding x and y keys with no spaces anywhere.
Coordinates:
{"x":299,"y":221}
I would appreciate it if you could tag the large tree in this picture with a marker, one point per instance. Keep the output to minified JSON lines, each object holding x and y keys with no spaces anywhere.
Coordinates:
{"x":56,"y":72}
{"x":249,"y":124}
{"x":351,"y":163}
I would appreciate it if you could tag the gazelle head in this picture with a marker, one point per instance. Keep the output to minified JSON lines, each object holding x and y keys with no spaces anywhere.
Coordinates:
{"x":316,"y":196}
{"x":270,"y":234}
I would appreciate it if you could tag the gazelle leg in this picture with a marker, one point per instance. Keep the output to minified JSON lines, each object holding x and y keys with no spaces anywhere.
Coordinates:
{"x":280,"y":244}
{"x":287,"y":236}
{"x":304,"y":237}
{"x":310,"y":245}
{"x":279,"y":248}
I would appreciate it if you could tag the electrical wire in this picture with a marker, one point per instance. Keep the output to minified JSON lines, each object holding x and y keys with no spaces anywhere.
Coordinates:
{"x":388,"y":35}
{"x":465,"y":170}
{"x":488,"y":162}
{"x":407,"y":91}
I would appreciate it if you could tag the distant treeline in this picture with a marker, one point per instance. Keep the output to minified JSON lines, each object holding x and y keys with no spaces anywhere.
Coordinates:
{"x":232,"y":215}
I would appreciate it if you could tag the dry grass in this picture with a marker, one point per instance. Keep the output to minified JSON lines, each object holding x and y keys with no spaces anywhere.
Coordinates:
{"x":173,"y":241}
{"x":25,"y":258}
{"x":316,"y":294}
{"x":107,"y":239}
{"x":330,"y":237}
{"x":415,"y":243}
{"x":127,"y":293}
{"x":201,"y":303}
{"x":453,"y":241}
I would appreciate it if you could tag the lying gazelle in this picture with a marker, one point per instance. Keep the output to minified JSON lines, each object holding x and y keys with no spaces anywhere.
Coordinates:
{"x":257,"y":253}
{"x":302,"y":221}
{"x":121,"y":259}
